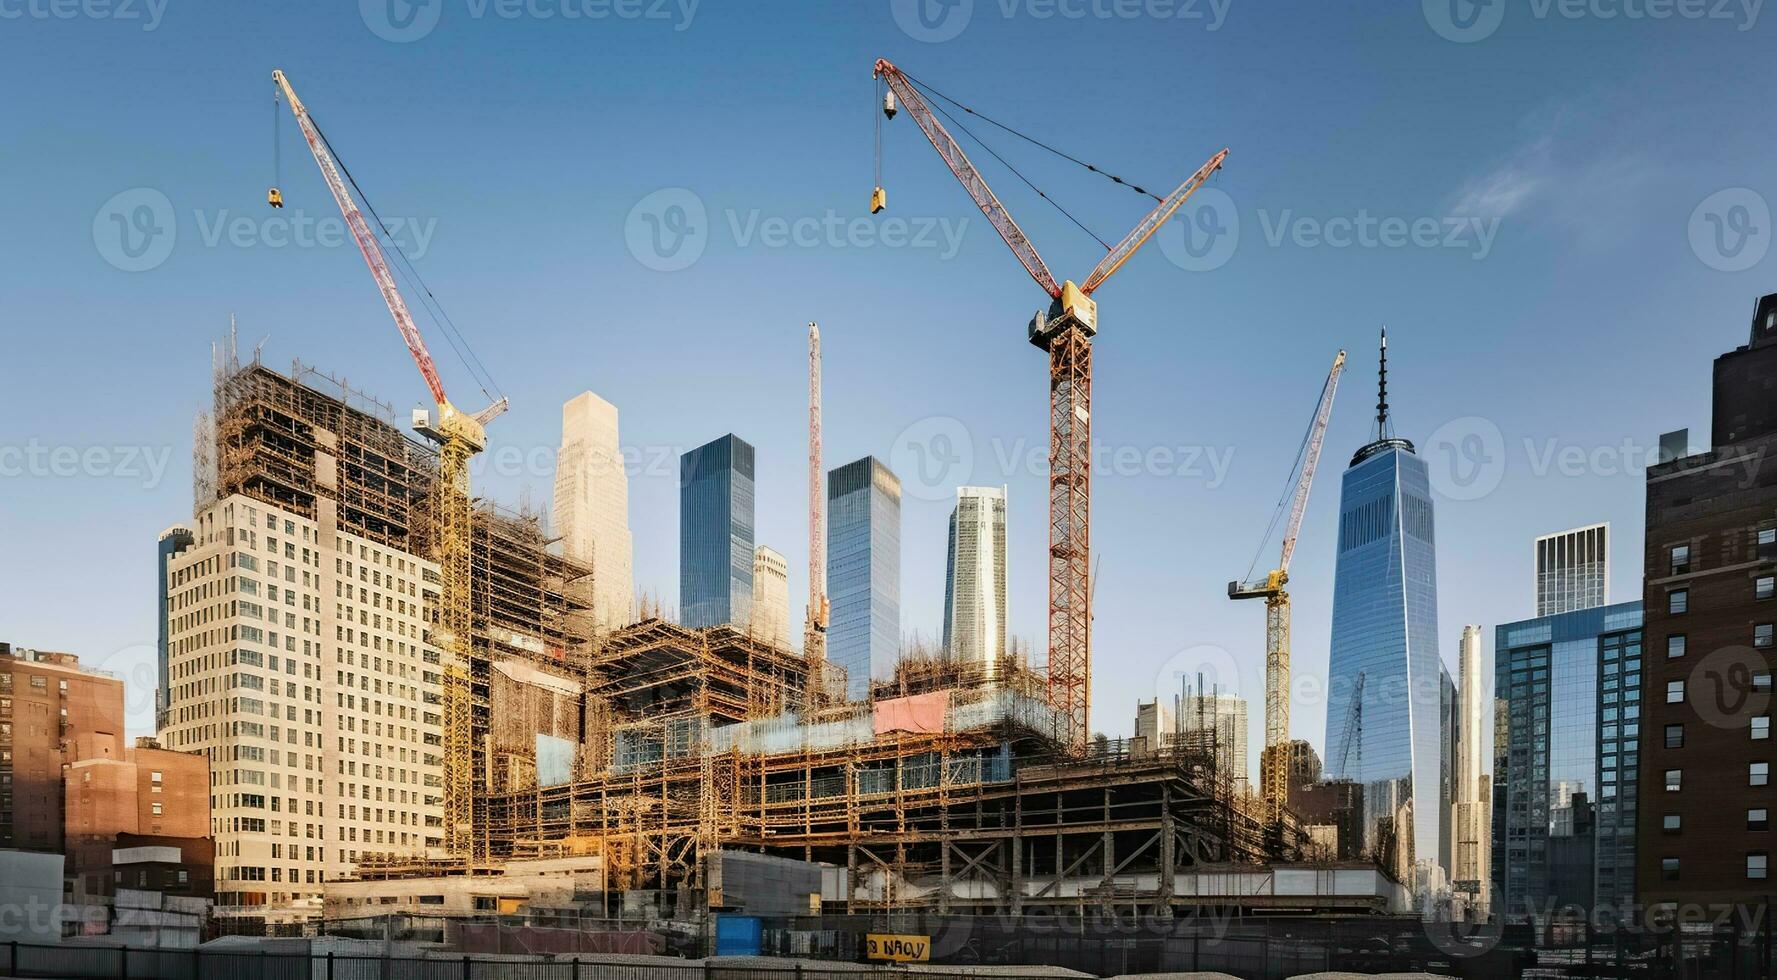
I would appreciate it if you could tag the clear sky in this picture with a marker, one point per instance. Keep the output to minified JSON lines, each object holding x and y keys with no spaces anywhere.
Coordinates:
{"x":1560,"y":211}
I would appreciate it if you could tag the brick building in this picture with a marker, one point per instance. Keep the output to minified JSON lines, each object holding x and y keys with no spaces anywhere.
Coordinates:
{"x":1710,"y":592}
{"x":49,"y":709}
{"x":141,"y":791}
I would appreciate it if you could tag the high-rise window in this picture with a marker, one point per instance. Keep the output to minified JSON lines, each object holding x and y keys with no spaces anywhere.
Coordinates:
{"x":1680,"y":558}
{"x":1675,"y":646}
{"x":1758,"y":773}
{"x":1757,"y":865}
{"x":1678,"y":601}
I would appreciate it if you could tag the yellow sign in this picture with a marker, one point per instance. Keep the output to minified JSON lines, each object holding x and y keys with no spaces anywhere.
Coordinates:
{"x":901,"y":949}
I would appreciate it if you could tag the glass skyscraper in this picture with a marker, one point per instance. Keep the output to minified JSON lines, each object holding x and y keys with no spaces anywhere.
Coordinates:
{"x":975,"y":579}
{"x":1385,"y":714}
{"x":716,"y":534}
{"x":863,"y":572}
{"x":1567,"y":691}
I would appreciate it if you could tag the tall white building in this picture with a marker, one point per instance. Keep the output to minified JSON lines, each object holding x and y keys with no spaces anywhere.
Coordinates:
{"x":1225,"y":716}
{"x":975,"y":579}
{"x":1155,"y":725}
{"x":1571,"y":570}
{"x":1471,"y":796}
{"x":592,"y":505}
{"x":298,"y":663}
{"x":771,"y":597}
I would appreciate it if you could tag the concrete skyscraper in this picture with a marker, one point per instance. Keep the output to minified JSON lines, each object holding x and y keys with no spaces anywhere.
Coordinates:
{"x":864,"y":571}
{"x":592,"y":505}
{"x":1384,"y":708}
{"x":716,"y":534}
{"x":301,"y":667}
{"x":1471,"y":796}
{"x":771,"y":597}
{"x":172,"y":541}
{"x":1570,"y":570}
{"x":975,"y":579}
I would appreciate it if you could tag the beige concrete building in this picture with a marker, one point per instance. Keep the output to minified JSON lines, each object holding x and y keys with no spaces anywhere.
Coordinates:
{"x":592,"y":505}
{"x":298,"y":663}
{"x":771,"y":597}
{"x":1471,"y":797}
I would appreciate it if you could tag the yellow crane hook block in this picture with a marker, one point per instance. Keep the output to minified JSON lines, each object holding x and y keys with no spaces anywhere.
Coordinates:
{"x":878,"y":200}
{"x":274,"y":197}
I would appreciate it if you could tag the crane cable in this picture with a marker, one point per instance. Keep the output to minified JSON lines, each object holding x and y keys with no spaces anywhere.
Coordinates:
{"x":460,"y":344}
{"x":1017,"y":173}
{"x":1113,"y":178}
{"x":1289,"y":490}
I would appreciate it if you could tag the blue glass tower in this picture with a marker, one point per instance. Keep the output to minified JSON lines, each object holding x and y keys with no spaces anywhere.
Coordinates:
{"x":1390,"y":736}
{"x":864,"y":571}
{"x":716,"y":533}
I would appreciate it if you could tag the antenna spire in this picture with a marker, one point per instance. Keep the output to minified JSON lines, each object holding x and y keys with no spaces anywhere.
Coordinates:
{"x":1382,"y":431}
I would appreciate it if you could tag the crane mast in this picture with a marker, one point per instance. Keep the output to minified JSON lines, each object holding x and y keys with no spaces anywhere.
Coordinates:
{"x":814,"y":636}
{"x":1065,"y":332}
{"x":1274,"y":758}
{"x":459,"y":437}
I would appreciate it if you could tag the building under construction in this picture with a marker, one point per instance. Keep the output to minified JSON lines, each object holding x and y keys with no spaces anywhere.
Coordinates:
{"x":309,"y":443}
{"x":654,"y":747}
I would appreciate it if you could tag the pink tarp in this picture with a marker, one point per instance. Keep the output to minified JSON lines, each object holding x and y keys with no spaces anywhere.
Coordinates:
{"x":921,"y":713}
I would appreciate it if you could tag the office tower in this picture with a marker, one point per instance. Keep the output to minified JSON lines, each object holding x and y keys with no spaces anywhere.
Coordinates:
{"x":1565,"y":685}
{"x":771,"y":597}
{"x":1384,"y":711}
{"x":172,"y":540}
{"x":592,"y":505}
{"x":1155,"y":724}
{"x":301,"y":667}
{"x":1709,"y":586}
{"x":1221,"y":717}
{"x":975,"y":579}
{"x":716,"y":534}
{"x":1471,"y":822}
{"x":864,"y":571}
{"x":1571,"y":570}
{"x":55,"y":713}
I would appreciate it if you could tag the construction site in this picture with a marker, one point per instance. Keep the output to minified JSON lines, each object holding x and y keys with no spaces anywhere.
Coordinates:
{"x":640,"y":759}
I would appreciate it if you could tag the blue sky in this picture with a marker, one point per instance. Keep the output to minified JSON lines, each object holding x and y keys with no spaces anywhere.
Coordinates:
{"x":1566,"y":217}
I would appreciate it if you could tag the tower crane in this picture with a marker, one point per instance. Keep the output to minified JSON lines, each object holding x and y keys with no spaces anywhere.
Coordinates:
{"x":459,"y":436}
{"x":1353,"y":732}
{"x":1065,"y":332}
{"x":1274,"y":760}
